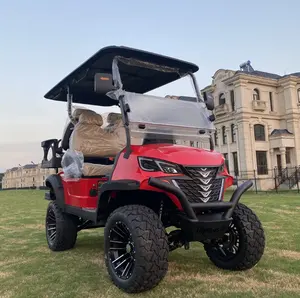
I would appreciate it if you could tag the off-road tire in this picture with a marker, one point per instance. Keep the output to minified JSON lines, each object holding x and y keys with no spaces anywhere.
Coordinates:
{"x":66,"y":229}
{"x":252,"y":241}
{"x":150,"y":247}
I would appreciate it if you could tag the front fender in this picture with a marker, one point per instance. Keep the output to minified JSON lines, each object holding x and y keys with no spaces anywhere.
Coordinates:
{"x":107,"y":188}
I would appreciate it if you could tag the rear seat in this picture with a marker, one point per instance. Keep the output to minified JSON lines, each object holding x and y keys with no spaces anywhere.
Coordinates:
{"x":95,"y":142}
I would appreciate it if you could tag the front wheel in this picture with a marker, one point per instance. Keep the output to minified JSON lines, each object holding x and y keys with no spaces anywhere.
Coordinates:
{"x":243,"y":244}
{"x":136,"y":248}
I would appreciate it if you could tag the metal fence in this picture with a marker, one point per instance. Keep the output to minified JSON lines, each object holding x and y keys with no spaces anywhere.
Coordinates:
{"x":271,"y":180}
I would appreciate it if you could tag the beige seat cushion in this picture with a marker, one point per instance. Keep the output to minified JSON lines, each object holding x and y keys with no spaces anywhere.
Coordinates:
{"x":90,"y":169}
{"x":89,"y":138}
{"x":115,"y":123}
{"x":92,"y":140}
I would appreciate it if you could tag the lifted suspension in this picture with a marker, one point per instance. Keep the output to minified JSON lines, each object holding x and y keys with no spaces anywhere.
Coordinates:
{"x":176,"y":240}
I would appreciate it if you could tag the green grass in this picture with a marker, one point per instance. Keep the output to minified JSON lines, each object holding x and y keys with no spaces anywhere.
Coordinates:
{"x":29,"y":269}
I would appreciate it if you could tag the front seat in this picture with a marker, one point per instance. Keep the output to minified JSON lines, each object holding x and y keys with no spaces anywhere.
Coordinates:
{"x":93,"y":142}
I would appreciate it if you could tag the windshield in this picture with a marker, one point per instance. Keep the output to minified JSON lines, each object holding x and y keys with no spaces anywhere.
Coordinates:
{"x":165,"y":116}
{"x":149,"y":115}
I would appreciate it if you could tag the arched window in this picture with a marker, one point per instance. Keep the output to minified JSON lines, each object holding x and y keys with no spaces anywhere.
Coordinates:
{"x":259,"y":132}
{"x":298,"y":92}
{"x":256,"y":94}
{"x":222,"y":99}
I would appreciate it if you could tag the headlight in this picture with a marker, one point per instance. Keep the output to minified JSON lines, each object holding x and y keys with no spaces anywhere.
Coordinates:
{"x":221,"y":169}
{"x":153,"y":165}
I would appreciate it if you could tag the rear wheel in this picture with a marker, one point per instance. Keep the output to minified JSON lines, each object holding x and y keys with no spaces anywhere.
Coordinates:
{"x":243,"y":244}
{"x":61,"y":228}
{"x":136,"y":248}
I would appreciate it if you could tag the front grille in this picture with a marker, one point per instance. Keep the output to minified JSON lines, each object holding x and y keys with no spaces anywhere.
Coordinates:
{"x":202,"y":172}
{"x":204,"y":186}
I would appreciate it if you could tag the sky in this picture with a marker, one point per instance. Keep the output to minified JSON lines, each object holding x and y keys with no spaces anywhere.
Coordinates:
{"x":43,"y":41}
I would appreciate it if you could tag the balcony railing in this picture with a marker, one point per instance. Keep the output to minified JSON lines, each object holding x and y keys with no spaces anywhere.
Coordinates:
{"x":221,"y":110}
{"x":259,"y":105}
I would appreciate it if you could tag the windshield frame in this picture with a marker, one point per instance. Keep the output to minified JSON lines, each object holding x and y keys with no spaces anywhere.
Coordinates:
{"x":154,"y":129}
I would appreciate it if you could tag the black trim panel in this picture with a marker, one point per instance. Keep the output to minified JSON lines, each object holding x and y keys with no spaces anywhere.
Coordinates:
{"x":55,"y":183}
{"x":209,"y":226}
{"x":87,"y":215}
{"x":115,"y":185}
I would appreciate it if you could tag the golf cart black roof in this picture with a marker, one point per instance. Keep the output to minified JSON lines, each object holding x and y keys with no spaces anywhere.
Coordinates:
{"x":134,"y":79}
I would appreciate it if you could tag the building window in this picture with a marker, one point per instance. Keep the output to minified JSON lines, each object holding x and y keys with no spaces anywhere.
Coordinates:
{"x":233,"y":139}
{"x":288,"y":155}
{"x":224,"y":135}
{"x":271,"y":101}
{"x":232,"y":100}
{"x":259,"y":132}
{"x":222,"y":99}
{"x":235,"y":163}
{"x":298,"y":91}
{"x":216,"y":138}
{"x":261,"y":162}
{"x":226,"y":161}
{"x":256,"y":94}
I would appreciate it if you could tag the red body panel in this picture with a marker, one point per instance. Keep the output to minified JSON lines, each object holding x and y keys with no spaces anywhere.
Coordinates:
{"x":184,"y":155}
{"x":77,"y":191}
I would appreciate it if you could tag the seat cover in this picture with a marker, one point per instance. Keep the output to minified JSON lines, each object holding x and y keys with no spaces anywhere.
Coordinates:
{"x":92,"y":140}
{"x":90,"y":169}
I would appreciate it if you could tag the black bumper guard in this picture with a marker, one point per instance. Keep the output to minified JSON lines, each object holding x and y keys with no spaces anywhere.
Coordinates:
{"x":207,"y":226}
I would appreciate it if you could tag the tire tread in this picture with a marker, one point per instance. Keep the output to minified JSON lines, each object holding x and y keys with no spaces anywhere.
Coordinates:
{"x":152,"y":263}
{"x":254,"y":241}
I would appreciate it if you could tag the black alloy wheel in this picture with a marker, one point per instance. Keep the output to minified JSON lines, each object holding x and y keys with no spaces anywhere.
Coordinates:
{"x":136,"y":248}
{"x":61,"y":228}
{"x":51,"y":226}
{"x":121,"y":250}
{"x":242,"y":246}
{"x":228,"y":246}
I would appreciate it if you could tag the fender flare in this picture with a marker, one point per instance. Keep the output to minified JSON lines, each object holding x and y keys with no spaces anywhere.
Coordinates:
{"x":108,"y":187}
{"x":54,"y":182}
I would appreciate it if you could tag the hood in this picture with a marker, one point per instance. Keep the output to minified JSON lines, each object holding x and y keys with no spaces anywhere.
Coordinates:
{"x":183,"y":155}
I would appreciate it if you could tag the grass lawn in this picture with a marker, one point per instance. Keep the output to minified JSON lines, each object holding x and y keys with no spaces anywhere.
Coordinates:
{"x":29,"y":269}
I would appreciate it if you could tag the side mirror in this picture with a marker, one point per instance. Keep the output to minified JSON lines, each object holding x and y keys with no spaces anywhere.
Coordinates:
{"x":103,"y":83}
{"x":209,"y":101}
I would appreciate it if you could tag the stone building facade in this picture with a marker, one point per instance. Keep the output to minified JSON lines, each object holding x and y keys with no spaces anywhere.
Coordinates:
{"x":30,"y":175}
{"x":257,"y":121}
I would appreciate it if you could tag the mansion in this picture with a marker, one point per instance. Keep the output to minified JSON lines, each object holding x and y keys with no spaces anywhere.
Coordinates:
{"x":257,"y":122}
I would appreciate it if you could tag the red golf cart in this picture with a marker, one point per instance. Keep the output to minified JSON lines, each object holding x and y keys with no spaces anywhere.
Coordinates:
{"x":152,"y":183}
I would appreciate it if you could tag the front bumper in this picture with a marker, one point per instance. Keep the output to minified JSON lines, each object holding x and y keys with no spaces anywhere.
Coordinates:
{"x":208,"y":225}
